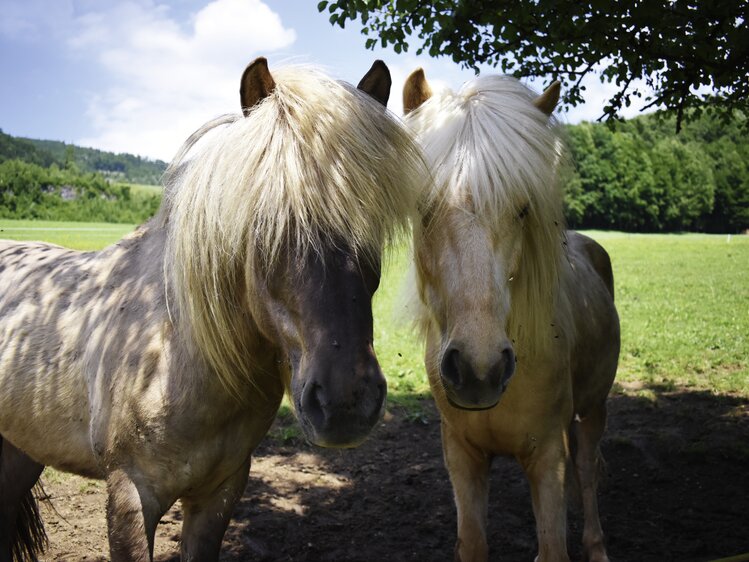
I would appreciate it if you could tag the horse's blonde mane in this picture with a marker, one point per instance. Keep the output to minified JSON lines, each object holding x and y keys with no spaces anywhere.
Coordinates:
{"x":491,"y":149}
{"x":317,"y":162}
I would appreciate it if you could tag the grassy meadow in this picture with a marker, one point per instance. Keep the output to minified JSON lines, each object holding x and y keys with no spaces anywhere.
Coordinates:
{"x":85,"y":236}
{"x":683,"y":302}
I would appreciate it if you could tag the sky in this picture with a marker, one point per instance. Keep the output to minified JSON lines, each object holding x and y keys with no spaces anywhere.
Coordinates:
{"x":140,"y":76}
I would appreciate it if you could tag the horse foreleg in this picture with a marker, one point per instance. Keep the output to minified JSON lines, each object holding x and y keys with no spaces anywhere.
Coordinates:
{"x":587,"y":433}
{"x":206,"y":518}
{"x":21,"y":531}
{"x":132,"y":515}
{"x":545,"y":470}
{"x":469,"y":473}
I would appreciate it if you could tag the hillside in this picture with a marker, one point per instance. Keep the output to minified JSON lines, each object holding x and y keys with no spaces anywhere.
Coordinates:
{"x":56,"y":181}
{"x":116,"y":167}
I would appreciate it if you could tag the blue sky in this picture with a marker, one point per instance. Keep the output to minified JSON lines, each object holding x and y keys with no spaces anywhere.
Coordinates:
{"x":140,"y":76}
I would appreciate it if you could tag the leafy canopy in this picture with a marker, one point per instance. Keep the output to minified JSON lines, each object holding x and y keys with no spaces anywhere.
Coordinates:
{"x":681,"y":48}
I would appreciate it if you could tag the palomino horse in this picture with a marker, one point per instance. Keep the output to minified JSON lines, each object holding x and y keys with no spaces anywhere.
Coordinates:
{"x":522,"y":337}
{"x":158,"y":363}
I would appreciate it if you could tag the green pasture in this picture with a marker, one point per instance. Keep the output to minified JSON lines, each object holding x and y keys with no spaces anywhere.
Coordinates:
{"x":683,"y":302}
{"x":144,"y":189}
{"x":78,"y":235}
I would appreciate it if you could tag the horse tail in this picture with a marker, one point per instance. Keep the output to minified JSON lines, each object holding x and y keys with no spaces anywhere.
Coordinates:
{"x":30,"y":538}
{"x":572,"y":486}
{"x":22,"y":534}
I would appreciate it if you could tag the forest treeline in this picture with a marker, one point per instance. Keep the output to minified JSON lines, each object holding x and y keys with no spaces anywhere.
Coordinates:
{"x":643,"y":177}
{"x":640,"y":177}
{"x":120,"y":167}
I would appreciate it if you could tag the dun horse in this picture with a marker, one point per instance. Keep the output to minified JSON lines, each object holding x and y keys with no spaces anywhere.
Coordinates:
{"x":158,"y":363}
{"x":522,"y":337}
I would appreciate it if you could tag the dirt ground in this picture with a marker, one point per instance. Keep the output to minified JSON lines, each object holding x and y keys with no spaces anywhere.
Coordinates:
{"x":677,"y":489}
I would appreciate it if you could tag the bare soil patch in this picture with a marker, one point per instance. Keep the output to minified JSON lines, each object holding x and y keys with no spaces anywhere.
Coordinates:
{"x":677,"y":489}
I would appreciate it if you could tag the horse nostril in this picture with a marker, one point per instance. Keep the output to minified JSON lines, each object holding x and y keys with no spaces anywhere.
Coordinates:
{"x":451,"y":367}
{"x":502,"y":370}
{"x":508,"y":360}
{"x":376,"y":405}
{"x":313,"y":405}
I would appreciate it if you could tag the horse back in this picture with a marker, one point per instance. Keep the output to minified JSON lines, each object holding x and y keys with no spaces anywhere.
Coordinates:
{"x":598,"y":259}
{"x":596,"y":339}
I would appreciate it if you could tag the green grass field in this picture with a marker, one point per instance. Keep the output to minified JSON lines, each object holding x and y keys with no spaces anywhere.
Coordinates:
{"x":144,"y":189}
{"x":684,"y":307}
{"x":78,"y":235}
{"x":683,"y":302}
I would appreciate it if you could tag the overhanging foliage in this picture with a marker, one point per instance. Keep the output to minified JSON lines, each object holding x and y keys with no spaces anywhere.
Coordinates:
{"x":681,"y":48}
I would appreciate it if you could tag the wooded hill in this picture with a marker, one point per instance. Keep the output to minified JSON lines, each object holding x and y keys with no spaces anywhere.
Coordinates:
{"x":56,"y":181}
{"x":117,"y":167}
{"x":640,"y":176}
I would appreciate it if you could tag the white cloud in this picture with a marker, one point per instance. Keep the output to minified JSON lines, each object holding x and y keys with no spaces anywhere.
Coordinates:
{"x":165,"y":78}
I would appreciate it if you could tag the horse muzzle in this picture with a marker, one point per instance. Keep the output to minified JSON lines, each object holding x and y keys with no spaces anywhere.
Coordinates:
{"x":471,"y":387}
{"x":340,"y":412}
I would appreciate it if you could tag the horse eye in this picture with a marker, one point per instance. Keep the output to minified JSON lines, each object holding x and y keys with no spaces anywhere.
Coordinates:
{"x":524,"y":212}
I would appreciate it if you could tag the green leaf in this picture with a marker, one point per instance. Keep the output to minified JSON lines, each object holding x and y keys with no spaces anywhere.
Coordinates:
{"x":676,"y":48}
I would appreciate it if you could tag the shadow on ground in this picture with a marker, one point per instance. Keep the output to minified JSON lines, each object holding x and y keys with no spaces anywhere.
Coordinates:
{"x":677,"y":489}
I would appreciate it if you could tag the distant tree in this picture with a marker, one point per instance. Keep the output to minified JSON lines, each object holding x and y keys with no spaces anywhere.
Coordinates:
{"x":685,"y":185}
{"x":116,"y":167}
{"x":585,"y":188}
{"x":70,"y":163}
{"x":13,"y":148}
{"x":677,"y":46}
{"x":644,"y":177}
{"x":632,"y":199}
{"x":730,"y":211}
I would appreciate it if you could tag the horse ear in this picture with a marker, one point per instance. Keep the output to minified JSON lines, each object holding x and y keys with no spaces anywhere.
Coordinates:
{"x":416,"y":91}
{"x":377,"y":82}
{"x":547,"y":101}
{"x":256,"y":84}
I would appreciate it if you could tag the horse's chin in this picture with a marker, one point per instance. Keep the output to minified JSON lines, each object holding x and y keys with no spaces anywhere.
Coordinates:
{"x":332,"y":442}
{"x":469,"y":407}
{"x":346,"y":437}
